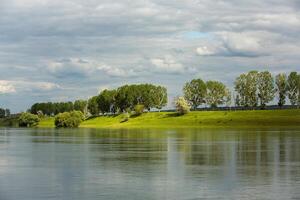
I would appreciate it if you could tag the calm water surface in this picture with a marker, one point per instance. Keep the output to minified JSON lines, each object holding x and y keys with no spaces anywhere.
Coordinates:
{"x":86,"y":164}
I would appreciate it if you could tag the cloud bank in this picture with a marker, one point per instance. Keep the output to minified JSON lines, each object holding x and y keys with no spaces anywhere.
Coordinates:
{"x":65,"y":50}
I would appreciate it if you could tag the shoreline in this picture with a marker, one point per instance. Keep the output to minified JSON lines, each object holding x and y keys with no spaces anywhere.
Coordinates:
{"x":194,"y":119}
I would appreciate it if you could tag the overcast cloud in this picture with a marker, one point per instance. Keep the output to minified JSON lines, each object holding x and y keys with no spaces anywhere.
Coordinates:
{"x":57,"y":50}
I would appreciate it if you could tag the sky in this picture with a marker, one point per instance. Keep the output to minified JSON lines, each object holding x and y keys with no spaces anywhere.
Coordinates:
{"x":63,"y":50}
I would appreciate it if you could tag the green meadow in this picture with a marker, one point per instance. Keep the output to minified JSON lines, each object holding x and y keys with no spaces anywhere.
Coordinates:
{"x":197,"y":119}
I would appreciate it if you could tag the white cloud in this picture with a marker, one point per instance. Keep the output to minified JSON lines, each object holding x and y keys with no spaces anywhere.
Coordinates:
{"x":13,"y":86}
{"x":205,"y":51}
{"x":242,"y":43}
{"x":6,"y":87}
{"x":167,"y":64}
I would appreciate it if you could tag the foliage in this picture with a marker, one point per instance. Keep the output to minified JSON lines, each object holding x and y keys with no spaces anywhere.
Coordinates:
{"x":93,"y":106}
{"x":28,"y":120}
{"x":52,"y":108}
{"x":281,"y":88}
{"x":293,"y":88}
{"x":159,"y":97}
{"x":80,"y":105}
{"x":139,"y":109}
{"x":2,"y":113}
{"x":182,"y":106}
{"x":195,"y":92}
{"x":149,"y":95}
{"x":216,"y":93}
{"x":69,"y":119}
{"x":106,"y":101}
{"x":246,"y":87}
{"x":265,"y":86}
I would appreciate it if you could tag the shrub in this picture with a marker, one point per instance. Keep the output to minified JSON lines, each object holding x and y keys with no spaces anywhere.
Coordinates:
{"x":69,"y":119}
{"x":139,"y":109}
{"x":182,"y":106}
{"x":28,"y":120}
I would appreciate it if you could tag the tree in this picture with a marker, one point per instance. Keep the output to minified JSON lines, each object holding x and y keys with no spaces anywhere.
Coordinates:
{"x":124,"y":98}
{"x":106,"y":101}
{"x":80,"y":105}
{"x":195,"y":92}
{"x":216,"y":93}
{"x":28,"y":120}
{"x":281,"y":88}
{"x":159,"y":97}
{"x":69,"y":119}
{"x":93,"y":106}
{"x":2,"y":113}
{"x":265,"y":86}
{"x":246,"y":87}
{"x":182,"y":106}
{"x":293,"y":87}
{"x":7,"y":112}
{"x":139,"y":109}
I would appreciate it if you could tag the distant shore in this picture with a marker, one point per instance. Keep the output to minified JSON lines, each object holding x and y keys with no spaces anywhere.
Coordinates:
{"x":196,"y":119}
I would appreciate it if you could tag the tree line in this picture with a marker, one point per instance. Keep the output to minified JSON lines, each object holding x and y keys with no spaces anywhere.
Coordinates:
{"x":251,"y":89}
{"x":117,"y":100}
{"x":4,"y":112}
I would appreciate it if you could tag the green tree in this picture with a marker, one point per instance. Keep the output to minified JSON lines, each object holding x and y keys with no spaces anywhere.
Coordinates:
{"x":28,"y":120}
{"x":281,"y":88}
{"x":93,"y":106}
{"x":69,"y":119}
{"x":106,"y":101}
{"x":2,"y":113}
{"x":195,"y":92}
{"x":139,"y":109}
{"x":265,"y":86}
{"x":7,"y":112}
{"x":159,"y":97}
{"x":293,"y":88}
{"x":216,"y":93}
{"x":80,"y":105}
{"x":247,"y":89}
{"x":182,"y":106}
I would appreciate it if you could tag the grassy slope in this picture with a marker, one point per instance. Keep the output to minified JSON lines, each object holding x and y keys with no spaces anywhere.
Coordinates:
{"x":196,"y":119}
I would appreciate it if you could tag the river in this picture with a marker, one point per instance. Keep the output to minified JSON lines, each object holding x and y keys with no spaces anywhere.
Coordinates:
{"x":187,"y":164}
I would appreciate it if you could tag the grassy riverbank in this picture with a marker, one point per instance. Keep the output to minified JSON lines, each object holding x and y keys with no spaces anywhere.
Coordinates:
{"x":265,"y":118}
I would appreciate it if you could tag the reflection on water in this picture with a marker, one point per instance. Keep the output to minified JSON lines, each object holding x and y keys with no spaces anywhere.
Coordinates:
{"x":149,"y":164}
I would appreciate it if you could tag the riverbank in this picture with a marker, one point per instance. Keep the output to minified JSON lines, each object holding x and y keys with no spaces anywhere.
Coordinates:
{"x":197,"y":119}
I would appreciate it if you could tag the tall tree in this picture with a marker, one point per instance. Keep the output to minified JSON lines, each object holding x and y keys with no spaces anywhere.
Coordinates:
{"x":160,"y":97}
{"x":2,"y":113}
{"x":293,"y":88}
{"x":80,"y":105}
{"x":106,"y":101}
{"x":7,"y":112}
{"x":246,"y":87}
{"x":265,"y":86}
{"x":281,"y":88}
{"x":195,"y":92}
{"x":93,"y":106}
{"x":216,"y":93}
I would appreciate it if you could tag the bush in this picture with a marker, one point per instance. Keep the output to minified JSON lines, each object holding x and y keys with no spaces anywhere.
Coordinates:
{"x":182,"y":106}
{"x":139,"y":109}
{"x":28,"y":120}
{"x":69,"y":119}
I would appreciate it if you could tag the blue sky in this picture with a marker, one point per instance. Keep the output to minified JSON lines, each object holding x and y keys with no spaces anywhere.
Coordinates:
{"x":54,"y":50}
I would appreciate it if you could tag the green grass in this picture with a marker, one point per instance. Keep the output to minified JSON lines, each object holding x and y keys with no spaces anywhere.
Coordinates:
{"x":197,"y":119}
{"x":47,"y":122}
